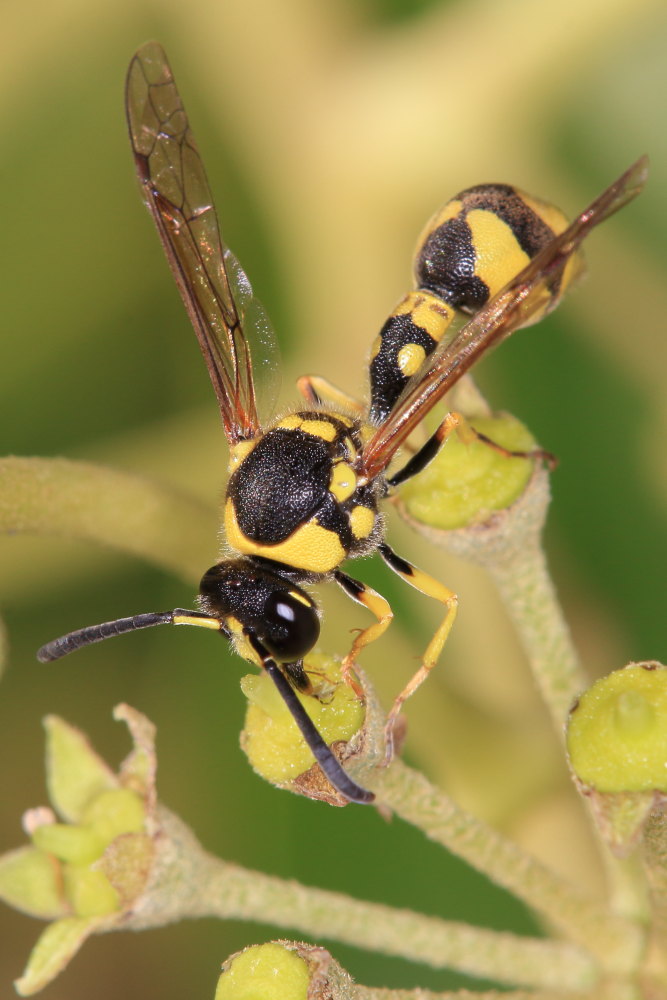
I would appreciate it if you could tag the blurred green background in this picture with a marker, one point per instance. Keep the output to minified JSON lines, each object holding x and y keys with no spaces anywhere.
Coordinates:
{"x":330,"y":131}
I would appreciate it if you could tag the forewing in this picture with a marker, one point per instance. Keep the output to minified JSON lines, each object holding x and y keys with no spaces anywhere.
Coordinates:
{"x":509,"y":309}
{"x":217,"y":294}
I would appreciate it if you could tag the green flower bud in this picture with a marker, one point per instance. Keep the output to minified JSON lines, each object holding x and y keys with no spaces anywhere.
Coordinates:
{"x":30,"y":881}
{"x":264,"y":972}
{"x":466,"y":482}
{"x":112,"y":813}
{"x":75,"y":773}
{"x":54,"y":949}
{"x":617,"y":733}
{"x":98,"y":864}
{"x":78,"y":844}
{"x":271,"y":739}
{"x":89,"y":891}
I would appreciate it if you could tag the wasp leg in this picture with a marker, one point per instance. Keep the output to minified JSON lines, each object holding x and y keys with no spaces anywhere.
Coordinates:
{"x":455,"y":422}
{"x":322,"y":753}
{"x":316,"y":389}
{"x":432,"y":588}
{"x":377,"y":605}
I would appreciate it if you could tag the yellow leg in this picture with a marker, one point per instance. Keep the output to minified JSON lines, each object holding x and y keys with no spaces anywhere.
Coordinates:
{"x":432,"y":588}
{"x":378,"y":606}
{"x":316,"y":389}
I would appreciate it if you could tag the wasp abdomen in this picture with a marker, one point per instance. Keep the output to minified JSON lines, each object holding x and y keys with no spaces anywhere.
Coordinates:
{"x":406,"y":339}
{"x":482,"y":239}
{"x":465,"y":255}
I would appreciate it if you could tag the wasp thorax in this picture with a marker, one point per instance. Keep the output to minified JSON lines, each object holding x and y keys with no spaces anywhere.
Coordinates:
{"x":250,"y":599}
{"x":482,"y":239}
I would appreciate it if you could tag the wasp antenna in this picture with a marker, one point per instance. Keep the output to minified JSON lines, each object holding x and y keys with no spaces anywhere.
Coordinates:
{"x":96,"y":633}
{"x":322,"y":753}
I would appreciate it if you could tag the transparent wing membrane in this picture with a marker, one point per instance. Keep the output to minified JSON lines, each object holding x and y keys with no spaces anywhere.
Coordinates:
{"x":217,"y":294}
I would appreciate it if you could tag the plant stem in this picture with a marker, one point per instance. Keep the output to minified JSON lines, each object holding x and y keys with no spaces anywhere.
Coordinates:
{"x":191,"y":883}
{"x":614,"y":940}
{"x":57,"y":497}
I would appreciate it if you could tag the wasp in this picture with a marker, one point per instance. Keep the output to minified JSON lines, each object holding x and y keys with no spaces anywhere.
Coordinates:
{"x":304,"y":492}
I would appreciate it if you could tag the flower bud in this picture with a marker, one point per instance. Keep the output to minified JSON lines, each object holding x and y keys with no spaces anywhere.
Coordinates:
{"x":264,"y":972}
{"x":466,"y":482}
{"x":273,"y":743}
{"x":617,"y":746}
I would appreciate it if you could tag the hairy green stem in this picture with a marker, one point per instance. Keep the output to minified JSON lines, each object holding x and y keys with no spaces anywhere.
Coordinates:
{"x":654,"y":856}
{"x":614,"y":940}
{"x":192,"y":883}
{"x":57,"y":497}
{"x":509,"y":546}
{"x":529,"y":596}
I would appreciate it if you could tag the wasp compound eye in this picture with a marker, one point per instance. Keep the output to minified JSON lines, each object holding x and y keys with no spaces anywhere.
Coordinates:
{"x":291,"y":626}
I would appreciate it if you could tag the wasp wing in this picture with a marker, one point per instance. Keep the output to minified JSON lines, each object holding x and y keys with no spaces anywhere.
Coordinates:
{"x":507,"y":311}
{"x":216,"y":293}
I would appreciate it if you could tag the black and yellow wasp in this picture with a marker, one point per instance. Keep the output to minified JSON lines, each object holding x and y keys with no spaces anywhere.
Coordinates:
{"x":304,"y":492}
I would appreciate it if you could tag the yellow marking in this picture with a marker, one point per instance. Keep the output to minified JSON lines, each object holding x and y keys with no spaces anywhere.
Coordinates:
{"x":499,"y":258}
{"x":426,"y":311}
{"x":320,"y":428}
{"x":350,"y":449}
{"x":410,"y":358}
{"x":290,"y":422}
{"x":240,"y":641}
{"x":432,"y":315}
{"x":302,"y":598}
{"x":213,"y":623}
{"x":366,"y":432}
{"x":447,"y":212}
{"x":407,"y":304}
{"x":554,"y":218}
{"x":343,"y":481}
{"x":347,"y":421}
{"x":556,"y":221}
{"x":240,"y":451}
{"x":234,"y":626}
{"x":362,"y":521}
{"x":375,"y":347}
{"x":310,"y":546}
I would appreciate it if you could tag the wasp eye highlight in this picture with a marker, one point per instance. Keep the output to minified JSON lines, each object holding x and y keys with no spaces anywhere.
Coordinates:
{"x":291,"y":626}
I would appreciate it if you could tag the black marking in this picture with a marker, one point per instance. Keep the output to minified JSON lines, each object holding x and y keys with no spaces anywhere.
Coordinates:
{"x":419,"y":460}
{"x":445,"y":265}
{"x":395,"y":561}
{"x":286,"y":464}
{"x":387,"y":379}
{"x":530,"y":231}
{"x":353,"y":588}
